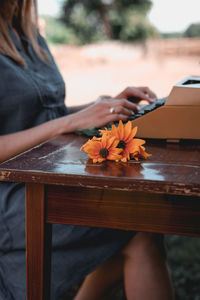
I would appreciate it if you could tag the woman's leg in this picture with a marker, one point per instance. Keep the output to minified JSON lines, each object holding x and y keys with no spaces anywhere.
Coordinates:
{"x":142,"y":263}
{"x":103,"y":280}
{"x":145,"y":271}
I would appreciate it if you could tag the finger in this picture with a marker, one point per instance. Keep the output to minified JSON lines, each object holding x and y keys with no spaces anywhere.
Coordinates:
{"x":136,"y":93}
{"x":141,"y":95}
{"x":116,"y":117}
{"x":150,"y":93}
{"x":125,"y":103}
{"x":123,"y":110}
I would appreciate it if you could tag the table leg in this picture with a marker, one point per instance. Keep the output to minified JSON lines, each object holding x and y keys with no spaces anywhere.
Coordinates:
{"x":38,"y":244}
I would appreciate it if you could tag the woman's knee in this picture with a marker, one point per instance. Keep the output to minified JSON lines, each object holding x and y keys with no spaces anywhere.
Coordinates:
{"x":145,"y":243}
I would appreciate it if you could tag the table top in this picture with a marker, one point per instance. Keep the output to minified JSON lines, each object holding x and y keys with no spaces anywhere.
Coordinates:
{"x":172,"y":168}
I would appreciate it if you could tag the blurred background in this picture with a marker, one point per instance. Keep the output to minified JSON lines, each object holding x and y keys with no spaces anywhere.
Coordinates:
{"x":102,"y":46}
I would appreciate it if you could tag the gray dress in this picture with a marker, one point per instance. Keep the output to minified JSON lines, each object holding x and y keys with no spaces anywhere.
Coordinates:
{"x":29,"y":96}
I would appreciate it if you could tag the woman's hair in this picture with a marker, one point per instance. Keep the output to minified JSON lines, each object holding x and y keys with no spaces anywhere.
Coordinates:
{"x":21,"y":14}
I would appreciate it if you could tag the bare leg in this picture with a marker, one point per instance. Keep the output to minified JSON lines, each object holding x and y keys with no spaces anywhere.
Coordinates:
{"x":143,"y":266}
{"x":100,"y":282}
{"x":145,"y":271}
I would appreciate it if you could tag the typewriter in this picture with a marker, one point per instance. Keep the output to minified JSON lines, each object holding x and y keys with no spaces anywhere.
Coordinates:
{"x":173,"y":118}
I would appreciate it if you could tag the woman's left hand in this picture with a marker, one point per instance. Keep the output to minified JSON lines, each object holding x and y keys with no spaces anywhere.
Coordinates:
{"x":136,"y":94}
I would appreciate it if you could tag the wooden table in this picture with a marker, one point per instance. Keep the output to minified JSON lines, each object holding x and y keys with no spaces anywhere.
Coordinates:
{"x":161,"y":194}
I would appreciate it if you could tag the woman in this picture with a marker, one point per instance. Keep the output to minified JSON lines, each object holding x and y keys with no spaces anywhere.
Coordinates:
{"x":32,"y":95}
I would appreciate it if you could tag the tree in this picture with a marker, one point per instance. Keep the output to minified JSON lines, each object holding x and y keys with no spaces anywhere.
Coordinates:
{"x":94,"y":19}
{"x":193,"y":30}
{"x":85,"y":16}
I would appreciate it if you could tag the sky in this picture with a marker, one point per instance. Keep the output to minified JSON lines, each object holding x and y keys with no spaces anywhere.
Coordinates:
{"x":165,"y":15}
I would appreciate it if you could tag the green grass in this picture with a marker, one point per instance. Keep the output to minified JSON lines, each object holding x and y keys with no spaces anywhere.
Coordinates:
{"x":184,"y":264}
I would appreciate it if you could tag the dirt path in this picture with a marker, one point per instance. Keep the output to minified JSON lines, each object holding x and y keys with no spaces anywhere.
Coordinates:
{"x":109,"y":67}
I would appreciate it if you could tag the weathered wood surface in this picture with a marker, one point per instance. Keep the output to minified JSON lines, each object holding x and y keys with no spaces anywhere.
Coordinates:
{"x":172,"y":168}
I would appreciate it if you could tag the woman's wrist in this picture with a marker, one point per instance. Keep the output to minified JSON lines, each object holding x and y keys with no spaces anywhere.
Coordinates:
{"x":66,"y":124}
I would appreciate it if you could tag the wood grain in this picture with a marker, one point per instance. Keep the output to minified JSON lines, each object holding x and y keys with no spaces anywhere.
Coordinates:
{"x":38,"y":244}
{"x":172,"y":169}
{"x":141,"y":211}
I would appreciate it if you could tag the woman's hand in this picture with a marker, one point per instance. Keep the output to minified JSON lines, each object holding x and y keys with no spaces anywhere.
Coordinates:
{"x":136,"y":94}
{"x":107,"y":109}
{"x":104,"y":110}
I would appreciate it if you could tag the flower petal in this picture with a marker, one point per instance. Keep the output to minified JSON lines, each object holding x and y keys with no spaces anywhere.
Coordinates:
{"x":132,"y":134}
{"x":104,"y":141}
{"x":124,"y":159}
{"x":120,"y":130}
{"x":127,"y":130}
{"x":110,"y":142}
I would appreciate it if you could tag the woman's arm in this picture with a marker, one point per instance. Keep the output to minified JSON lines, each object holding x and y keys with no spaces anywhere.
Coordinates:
{"x":15,"y":143}
{"x":76,"y":108}
{"x":96,"y":114}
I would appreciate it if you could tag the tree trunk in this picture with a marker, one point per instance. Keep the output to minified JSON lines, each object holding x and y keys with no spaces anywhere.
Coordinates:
{"x":105,"y":22}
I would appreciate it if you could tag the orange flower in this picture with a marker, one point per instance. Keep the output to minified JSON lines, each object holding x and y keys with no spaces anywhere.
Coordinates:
{"x":126,"y":141}
{"x":100,"y":149}
{"x":116,"y":144}
{"x":140,"y":154}
{"x":104,"y":131}
{"x":89,"y":143}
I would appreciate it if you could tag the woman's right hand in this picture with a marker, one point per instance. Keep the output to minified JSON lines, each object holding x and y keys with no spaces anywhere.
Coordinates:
{"x":104,"y":110}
